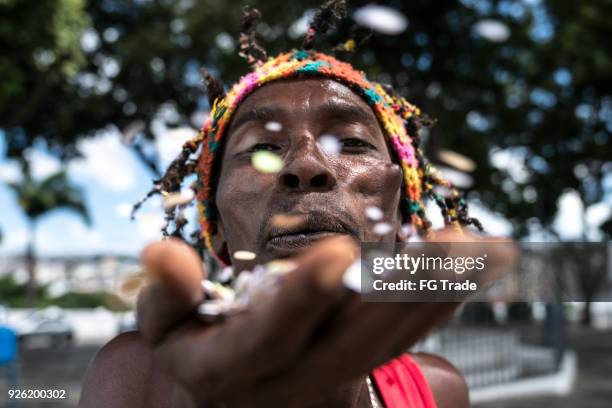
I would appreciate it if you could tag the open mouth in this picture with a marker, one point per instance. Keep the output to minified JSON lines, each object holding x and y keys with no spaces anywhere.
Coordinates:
{"x":314,"y":226}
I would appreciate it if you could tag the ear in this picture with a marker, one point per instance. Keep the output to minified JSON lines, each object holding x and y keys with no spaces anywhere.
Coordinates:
{"x":220,"y":244}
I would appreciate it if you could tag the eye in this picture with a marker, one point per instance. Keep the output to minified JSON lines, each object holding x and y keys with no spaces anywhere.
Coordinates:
{"x":353,"y":144}
{"x":263,"y":146}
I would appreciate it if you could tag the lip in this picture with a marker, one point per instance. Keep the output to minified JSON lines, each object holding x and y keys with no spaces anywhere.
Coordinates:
{"x":315,"y":225}
{"x":299,"y":240}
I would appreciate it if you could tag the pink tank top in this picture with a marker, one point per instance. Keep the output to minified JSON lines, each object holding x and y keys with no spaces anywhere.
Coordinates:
{"x":402,"y":384}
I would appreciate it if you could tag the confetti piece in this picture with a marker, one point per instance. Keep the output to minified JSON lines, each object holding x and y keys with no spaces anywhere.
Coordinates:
{"x":244,"y":255}
{"x":374,"y":213}
{"x":382,"y":228}
{"x":133,"y":283}
{"x":384,"y":19}
{"x":457,"y":160}
{"x":226,"y":274}
{"x":287,"y":220}
{"x":352,"y":277}
{"x":274,"y":126}
{"x":406,"y":230}
{"x":174,"y":199}
{"x":267,"y":162}
{"x":280,"y":267}
{"x":329,"y":144}
{"x":492,"y":30}
{"x":212,"y":309}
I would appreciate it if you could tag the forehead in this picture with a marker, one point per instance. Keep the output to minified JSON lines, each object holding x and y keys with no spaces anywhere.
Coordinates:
{"x":304,"y":94}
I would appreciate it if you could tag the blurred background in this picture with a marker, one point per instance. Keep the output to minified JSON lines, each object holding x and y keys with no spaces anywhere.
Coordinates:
{"x":97,"y":97}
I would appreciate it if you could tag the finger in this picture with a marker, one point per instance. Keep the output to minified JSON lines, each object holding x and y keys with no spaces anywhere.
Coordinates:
{"x":175,"y":272}
{"x":270,"y":333}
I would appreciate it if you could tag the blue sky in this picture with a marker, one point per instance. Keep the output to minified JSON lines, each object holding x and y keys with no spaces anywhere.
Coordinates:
{"x":112,"y":178}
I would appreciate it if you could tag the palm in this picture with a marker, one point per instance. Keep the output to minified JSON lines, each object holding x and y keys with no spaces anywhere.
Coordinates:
{"x":39,"y":197}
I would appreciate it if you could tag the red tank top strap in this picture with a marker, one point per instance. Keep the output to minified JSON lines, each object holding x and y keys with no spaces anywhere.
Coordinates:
{"x":401,"y":384}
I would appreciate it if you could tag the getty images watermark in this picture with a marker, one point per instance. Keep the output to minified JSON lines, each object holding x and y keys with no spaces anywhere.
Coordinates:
{"x":489,"y":271}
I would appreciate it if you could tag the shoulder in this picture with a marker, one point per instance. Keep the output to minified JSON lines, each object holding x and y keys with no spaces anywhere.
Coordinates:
{"x":446,"y":382}
{"x":121,"y":374}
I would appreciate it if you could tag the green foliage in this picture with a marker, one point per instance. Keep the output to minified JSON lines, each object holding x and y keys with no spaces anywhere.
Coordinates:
{"x":38,"y":197}
{"x":15,"y":295}
{"x":544,"y":92}
{"x":40,"y":40}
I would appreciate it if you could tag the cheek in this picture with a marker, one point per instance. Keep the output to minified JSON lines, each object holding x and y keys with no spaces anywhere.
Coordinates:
{"x":375,"y":184}
{"x":240,"y":201}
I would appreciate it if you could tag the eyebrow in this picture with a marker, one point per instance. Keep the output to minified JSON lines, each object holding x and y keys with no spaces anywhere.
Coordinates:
{"x":345,"y":110}
{"x":329,"y":108}
{"x":259,"y":114}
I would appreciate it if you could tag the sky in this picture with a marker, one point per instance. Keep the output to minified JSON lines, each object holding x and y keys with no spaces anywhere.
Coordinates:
{"x":113,"y":178}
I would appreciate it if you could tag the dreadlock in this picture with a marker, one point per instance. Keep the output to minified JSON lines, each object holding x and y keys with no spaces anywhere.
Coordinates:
{"x":324,"y":20}
{"x":249,"y":47}
{"x":214,"y":88}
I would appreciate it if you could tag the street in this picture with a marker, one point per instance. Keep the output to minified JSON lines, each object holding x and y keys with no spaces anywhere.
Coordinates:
{"x":63,"y":369}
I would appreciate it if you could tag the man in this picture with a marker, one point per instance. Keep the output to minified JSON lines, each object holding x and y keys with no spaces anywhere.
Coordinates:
{"x":311,"y":342}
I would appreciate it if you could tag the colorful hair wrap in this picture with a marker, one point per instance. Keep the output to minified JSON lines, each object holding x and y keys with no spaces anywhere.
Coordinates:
{"x":391,"y":111}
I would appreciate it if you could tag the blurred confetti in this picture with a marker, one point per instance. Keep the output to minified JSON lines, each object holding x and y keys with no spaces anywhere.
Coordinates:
{"x":382,"y":228}
{"x":492,"y":30}
{"x":456,"y":160}
{"x":267,"y":162}
{"x":329,"y":144}
{"x":273,"y":126}
{"x":244,"y":255}
{"x":132,"y":284}
{"x":287,"y":220}
{"x":181,"y":198}
{"x":374,"y":213}
{"x":352,"y":277}
{"x":383,"y":19}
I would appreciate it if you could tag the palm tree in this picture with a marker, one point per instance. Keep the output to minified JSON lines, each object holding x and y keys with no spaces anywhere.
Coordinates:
{"x":39,"y":197}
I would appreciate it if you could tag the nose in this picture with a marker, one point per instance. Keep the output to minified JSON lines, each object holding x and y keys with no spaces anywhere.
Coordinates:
{"x":306,"y":169}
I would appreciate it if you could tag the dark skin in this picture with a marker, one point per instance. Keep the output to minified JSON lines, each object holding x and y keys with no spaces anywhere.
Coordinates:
{"x":300,"y":346}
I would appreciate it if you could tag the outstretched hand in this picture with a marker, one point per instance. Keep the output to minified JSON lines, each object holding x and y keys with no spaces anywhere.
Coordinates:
{"x":308,"y":337}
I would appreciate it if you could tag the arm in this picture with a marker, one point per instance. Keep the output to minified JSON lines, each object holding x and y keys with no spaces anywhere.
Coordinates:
{"x":123,"y":374}
{"x":447,"y":384}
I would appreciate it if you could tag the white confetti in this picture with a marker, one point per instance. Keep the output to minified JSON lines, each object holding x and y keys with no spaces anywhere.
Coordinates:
{"x":273,"y":126}
{"x":280,"y":267}
{"x":267,"y":162}
{"x":492,"y":30}
{"x":352,"y":277}
{"x":457,"y":160}
{"x":329,"y":144}
{"x":407,"y":231}
{"x":174,"y":199}
{"x":384,"y":19}
{"x":374,"y":213}
{"x":382,"y":228}
{"x":244,"y":255}
{"x":226,"y":274}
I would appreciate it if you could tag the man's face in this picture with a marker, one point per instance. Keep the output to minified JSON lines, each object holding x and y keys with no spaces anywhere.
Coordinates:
{"x":327,"y":193}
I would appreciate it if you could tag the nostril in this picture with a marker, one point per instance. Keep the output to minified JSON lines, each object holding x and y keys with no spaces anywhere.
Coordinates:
{"x":290,"y":180}
{"x":319,"y":181}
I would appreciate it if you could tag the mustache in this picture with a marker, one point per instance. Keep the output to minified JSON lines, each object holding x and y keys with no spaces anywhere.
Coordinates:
{"x":313,"y":216}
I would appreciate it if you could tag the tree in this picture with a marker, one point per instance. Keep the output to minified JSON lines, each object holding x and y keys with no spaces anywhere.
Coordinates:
{"x":542,"y":95}
{"x":39,"y":198}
